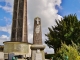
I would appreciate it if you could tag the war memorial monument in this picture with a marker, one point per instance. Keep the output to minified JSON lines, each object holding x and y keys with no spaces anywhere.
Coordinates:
{"x":37,"y":48}
{"x":18,"y":46}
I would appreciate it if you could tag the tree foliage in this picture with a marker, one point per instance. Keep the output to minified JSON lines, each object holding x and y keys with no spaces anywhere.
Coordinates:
{"x":66,"y":30}
{"x":69,"y":51}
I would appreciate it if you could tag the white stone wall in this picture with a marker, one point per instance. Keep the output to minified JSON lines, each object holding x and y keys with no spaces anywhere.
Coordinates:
{"x":47,"y":59}
{"x":1,"y":56}
{"x":29,"y":51}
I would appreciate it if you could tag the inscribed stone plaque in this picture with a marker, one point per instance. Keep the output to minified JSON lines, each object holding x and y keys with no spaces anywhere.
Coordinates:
{"x":38,"y":56}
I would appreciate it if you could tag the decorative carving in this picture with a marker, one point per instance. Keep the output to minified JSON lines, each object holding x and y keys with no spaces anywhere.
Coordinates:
{"x":38,"y":50}
{"x":37,"y":29}
{"x":38,"y":20}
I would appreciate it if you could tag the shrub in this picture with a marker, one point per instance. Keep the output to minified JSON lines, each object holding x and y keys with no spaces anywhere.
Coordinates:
{"x":69,"y":52}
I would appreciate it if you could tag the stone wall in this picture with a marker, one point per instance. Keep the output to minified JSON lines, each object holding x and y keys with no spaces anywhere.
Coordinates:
{"x":1,"y":56}
{"x":16,"y":47}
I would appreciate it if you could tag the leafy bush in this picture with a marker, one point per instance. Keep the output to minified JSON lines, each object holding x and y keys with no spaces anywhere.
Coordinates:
{"x":67,"y":52}
{"x":48,"y":56}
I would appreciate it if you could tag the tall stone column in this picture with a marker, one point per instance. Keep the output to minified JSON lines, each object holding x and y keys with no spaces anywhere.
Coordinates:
{"x":19,"y":35}
{"x":37,"y":34}
{"x":37,"y":48}
{"x":19,"y":22}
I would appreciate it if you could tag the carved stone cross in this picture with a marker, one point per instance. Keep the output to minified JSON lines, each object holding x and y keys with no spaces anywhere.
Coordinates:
{"x":37,"y":20}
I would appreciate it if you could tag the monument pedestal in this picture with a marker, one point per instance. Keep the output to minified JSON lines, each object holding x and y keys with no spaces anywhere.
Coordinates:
{"x":16,"y":48}
{"x":37,"y":52}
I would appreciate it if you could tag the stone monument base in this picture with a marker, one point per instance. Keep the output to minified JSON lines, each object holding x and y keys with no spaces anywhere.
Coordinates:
{"x":37,"y":52}
{"x":16,"y":49}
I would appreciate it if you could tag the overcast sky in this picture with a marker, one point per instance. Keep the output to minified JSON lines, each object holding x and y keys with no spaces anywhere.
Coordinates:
{"x":47,"y":10}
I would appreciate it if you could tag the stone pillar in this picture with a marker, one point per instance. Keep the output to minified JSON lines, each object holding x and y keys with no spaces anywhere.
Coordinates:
{"x":37,"y":34}
{"x":19,"y":35}
{"x":19,"y":22}
{"x":37,"y":48}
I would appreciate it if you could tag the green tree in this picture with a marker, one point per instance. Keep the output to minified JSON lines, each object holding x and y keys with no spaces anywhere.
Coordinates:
{"x":66,"y":30}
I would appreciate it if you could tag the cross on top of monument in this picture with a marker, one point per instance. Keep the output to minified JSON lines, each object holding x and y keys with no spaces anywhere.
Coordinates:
{"x":38,"y":20}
